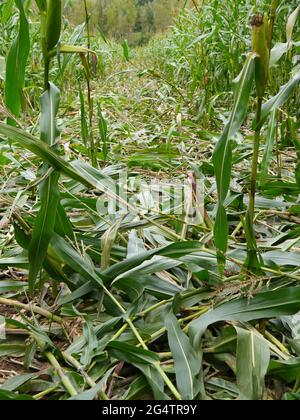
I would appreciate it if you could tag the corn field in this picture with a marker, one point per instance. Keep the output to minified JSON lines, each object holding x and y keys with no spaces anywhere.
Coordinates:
{"x":149,"y":205}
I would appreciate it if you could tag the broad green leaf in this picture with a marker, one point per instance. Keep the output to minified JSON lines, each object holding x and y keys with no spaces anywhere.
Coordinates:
{"x":13,"y":396}
{"x":187,"y":363}
{"x":282,"y":259}
{"x":136,"y":388}
{"x":131,"y":354}
{"x":131,"y":286}
{"x":288,"y":370}
{"x":175,"y":251}
{"x":269,"y":146}
{"x":63,"y":225}
{"x":91,"y":342}
{"x":42,"y":4}
{"x":11,"y":285}
{"x":18,"y":261}
{"x":291,"y":24}
{"x":43,"y":226}
{"x":252,"y":359}
{"x":49,"y":193}
{"x":46,"y":153}
{"x":15,"y":382}
{"x":278,"y":51}
{"x":7,"y":10}
{"x":291,"y":396}
{"x":222,"y":157}
{"x":49,"y":108}
{"x":71,"y":257}
{"x":16,"y":64}
{"x":78,"y":293}
{"x":15,"y":350}
{"x":264,"y":305}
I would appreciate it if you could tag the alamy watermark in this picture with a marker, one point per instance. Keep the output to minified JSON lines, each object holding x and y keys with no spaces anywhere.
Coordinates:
{"x":2,"y":328}
{"x":180,"y":197}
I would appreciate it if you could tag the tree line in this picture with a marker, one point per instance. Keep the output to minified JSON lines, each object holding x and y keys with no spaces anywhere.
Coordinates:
{"x":135,"y":20}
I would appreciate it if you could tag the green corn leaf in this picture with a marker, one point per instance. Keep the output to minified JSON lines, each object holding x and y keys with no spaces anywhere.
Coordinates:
{"x":222,"y":157}
{"x":43,"y":151}
{"x":63,"y":225}
{"x":53,"y":23}
{"x":11,"y":286}
{"x":43,"y":226}
{"x":278,"y":51}
{"x":7,"y":10}
{"x":187,"y":363}
{"x":16,"y":64}
{"x":264,"y":305}
{"x":49,"y":193}
{"x":15,"y":382}
{"x":252,"y":360}
{"x":125,"y":47}
{"x":42,"y":5}
{"x":13,"y":396}
{"x":175,"y":250}
{"x":49,"y":108}
{"x":79,"y":264}
{"x":269,"y":146}
{"x":280,"y":99}
{"x":288,"y":370}
{"x":154,"y":379}
{"x":291,"y":24}
{"x":131,"y":354}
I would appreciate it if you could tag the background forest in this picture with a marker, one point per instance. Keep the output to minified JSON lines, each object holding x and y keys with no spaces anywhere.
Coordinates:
{"x":135,"y":20}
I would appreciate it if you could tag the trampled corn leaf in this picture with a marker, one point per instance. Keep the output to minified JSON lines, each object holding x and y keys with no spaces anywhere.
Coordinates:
{"x":252,"y":359}
{"x":187,"y":363}
{"x":131,"y":354}
{"x":264,"y":305}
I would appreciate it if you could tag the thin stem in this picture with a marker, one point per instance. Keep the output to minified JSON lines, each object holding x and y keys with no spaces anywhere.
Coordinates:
{"x":80,"y":369}
{"x":31,"y":308}
{"x":47,"y":391}
{"x":272,"y":18}
{"x":167,"y":381}
{"x":253,"y":180}
{"x":46,"y":73}
{"x":64,"y":378}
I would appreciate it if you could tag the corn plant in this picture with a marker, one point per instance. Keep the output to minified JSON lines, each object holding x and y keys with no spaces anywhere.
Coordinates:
{"x":256,"y":68}
{"x":107,"y":290}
